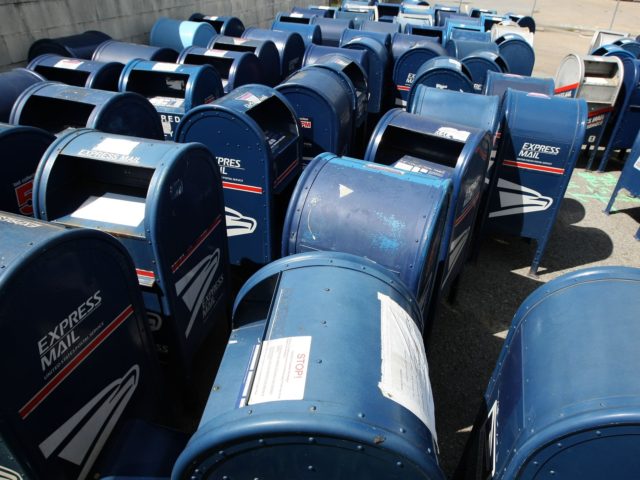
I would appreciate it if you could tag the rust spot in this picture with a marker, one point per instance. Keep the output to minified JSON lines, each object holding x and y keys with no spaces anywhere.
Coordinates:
{"x":378,"y":439}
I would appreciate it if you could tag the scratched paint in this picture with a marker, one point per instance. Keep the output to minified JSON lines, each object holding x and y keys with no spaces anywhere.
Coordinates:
{"x":598,"y":187}
{"x":389,"y":238}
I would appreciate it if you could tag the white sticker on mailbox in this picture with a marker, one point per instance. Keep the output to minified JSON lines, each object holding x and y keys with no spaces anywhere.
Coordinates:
{"x":165,"y":67}
{"x":404,"y":371}
{"x":637,"y":164}
{"x":68,"y":63}
{"x":282,"y":370}
{"x":119,"y":146}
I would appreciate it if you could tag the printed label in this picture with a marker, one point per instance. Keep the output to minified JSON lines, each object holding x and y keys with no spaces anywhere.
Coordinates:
{"x":23,"y":190}
{"x":68,"y":63}
{"x":282,"y":370}
{"x":306,"y":123}
{"x":112,"y":208}
{"x":452,"y":133}
{"x":410,"y":167}
{"x":165,"y":67}
{"x":534,"y":150}
{"x":404,"y":376}
{"x":170,"y":102}
{"x":18,"y":221}
{"x":214,"y":52}
{"x":120,"y":146}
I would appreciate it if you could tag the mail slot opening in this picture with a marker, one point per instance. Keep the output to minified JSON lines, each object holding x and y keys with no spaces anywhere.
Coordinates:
{"x":63,"y":75}
{"x":300,"y":20}
{"x":55,"y":114}
{"x":274,"y":118}
{"x":236,"y":47}
{"x":83,"y":189}
{"x":256,"y":302}
{"x":167,"y":85}
{"x":427,"y":32}
{"x":398,"y":142}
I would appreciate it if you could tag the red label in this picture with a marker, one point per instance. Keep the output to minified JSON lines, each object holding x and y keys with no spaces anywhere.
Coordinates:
{"x":23,"y":196}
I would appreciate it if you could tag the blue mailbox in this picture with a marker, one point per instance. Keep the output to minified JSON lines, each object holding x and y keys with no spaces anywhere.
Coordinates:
{"x":611,"y":50}
{"x":295,"y":17}
{"x":55,"y":107}
{"x":234,"y":68}
{"x":629,"y":178}
{"x":381,"y":37}
{"x":12,"y":84}
{"x":122,"y":52}
{"x":392,"y":217}
{"x":623,"y":127}
{"x":443,"y":150}
{"x":311,"y":34}
{"x":320,"y":12}
{"x":356,"y":17}
{"x":163,"y":201}
{"x":253,"y":134}
{"x":410,"y":52}
{"x":630,"y":45}
{"x":378,"y":72}
{"x":458,"y":34}
{"x":461,"y":22}
{"x":332,"y":29}
{"x":265,"y":50}
{"x":380,"y":27}
{"x":21,"y":149}
{"x":458,"y":48}
{"x":78,"y":72}
{"x":479,"y":64}
{"x":323,"y":103}
{"x":564,"y":397}
{"x":283,"y":405}
{"x":433,"y":32}
{"x":81,"y":45}
{"x":498,"y":83}
{"x":491,"y":19}
{"x":476,"y":12}
{"x":387,"y":11}
{"x":517,"y":52}
{"x":171,"y":88}
{"x":598,"y":81}
{"x":223,"y":25}
{"x":541,"y":139}
{"x":444,"y":11}
{"x":290,"y":47}
{"x":445,"y":73}
{"x":180,"y":34}
{"x":76,"y":347}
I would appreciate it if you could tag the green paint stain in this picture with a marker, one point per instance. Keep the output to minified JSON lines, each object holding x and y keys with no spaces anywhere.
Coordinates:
{"x":590,"y":186}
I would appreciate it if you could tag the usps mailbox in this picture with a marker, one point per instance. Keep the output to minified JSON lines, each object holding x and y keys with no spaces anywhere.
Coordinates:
{"x":311,"y":34}
{"x":290,"y":47}
{"x":122,"y":52}
{"x":180,"y":34}
{"x":565,"y":394}
{"x":629,"y":178}
{"x":76,"y":347}
{"x":356,"y":17}
{"x":321,"y":419}
{"x":265,"y":50}
{"x":623,"y":128}
{"x":476,"y":12}
{"x":81,"y":45}
{"x":235,"y":68}
{"x":604,"y":37}
{"x":507,"y":27}
{"x":461,"y":48}
{"x":490,"y":19}
{"x":378,"y":72}
{"x":381,"y":37}
{"x":295,"y":17}
{"x":332,"y":29}
{"x":324,"y":107}
{"x":524,"y":21}
{"x":445,"y":73}
{"x":630,"y":45}
{"x":541,"y":139}
{"x":613,"y":51}
{"x":479,"y":64}
{"x":171,"y":88}
{"x":79,"y":72}
{"x":380,"y":27}
{"x":598,"y":81}
{"x":55,"y":107}
{"x":21,"y":149}
{"x":254,"y":136}
{"x":439,"y":149}
{"x":498,"y":83}
{"x":517,"y":52}
{"x":361,"y":208}
{"x":443,"y":11}
{"x":434,"y":33}
{"x":410,"y":52}
{"x":312,"y":11}
{"x":224,"y":25}
{"x":461,"y":22}
{"x":163,"y":201}
{"x":12,"y":84}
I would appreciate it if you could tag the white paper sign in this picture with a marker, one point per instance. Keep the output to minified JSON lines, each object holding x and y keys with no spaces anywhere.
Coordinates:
{"x":118,"y":146}
{"x":112,"y":208}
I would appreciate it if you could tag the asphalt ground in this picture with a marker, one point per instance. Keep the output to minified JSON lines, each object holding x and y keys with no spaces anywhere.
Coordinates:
{"x":469,"y":332}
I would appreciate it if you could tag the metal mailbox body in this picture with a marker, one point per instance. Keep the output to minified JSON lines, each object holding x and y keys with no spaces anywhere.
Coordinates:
{"x":457,"y":48}
{"x":356,"y":17}
{"x":611,"y":50}
{"x":347,"y":205}
{"x":254,"y":136}
{"x":81,"y":45}
{"x":541,"y":139}
{"x":235,"y":68}
{"x":311,"y":34}
{"x":22,"y":148}
{"x":78,"y":72}
{"x":490,"y":19}
{"x":598,"y":81}
{"x":629,"y":178}
{"x":180,"y":34}
{"x":623,"y":127}
{"x":604,"y":37}
{"x":323,"y":105}
{"x":332,"y":29}
{"x":265,"y":50}
{"x":498,"y":83}
{"x":290,"y":47}
{"x":72,"y":319}
{"x":517,"y":52}
{"x":163,"y":201}
{"x":523,"y":21}
{"x":224,"y":25}
{"x":508,"y":27}
{"x":445,"y":73}
{"x":171,"y":88}
{"x":380,"y":27}
{"x":410,"y":52}
{"x":331,"y":421}
{"x":12,"y":84}
{"x":479,"y":64}
{"x":122,"y":52}
{"x":443,"y":150}
{"x":630,"y":45}
{"x":564,"y":397}
{"x":461,"y":23}
{"x":55,"y":106}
